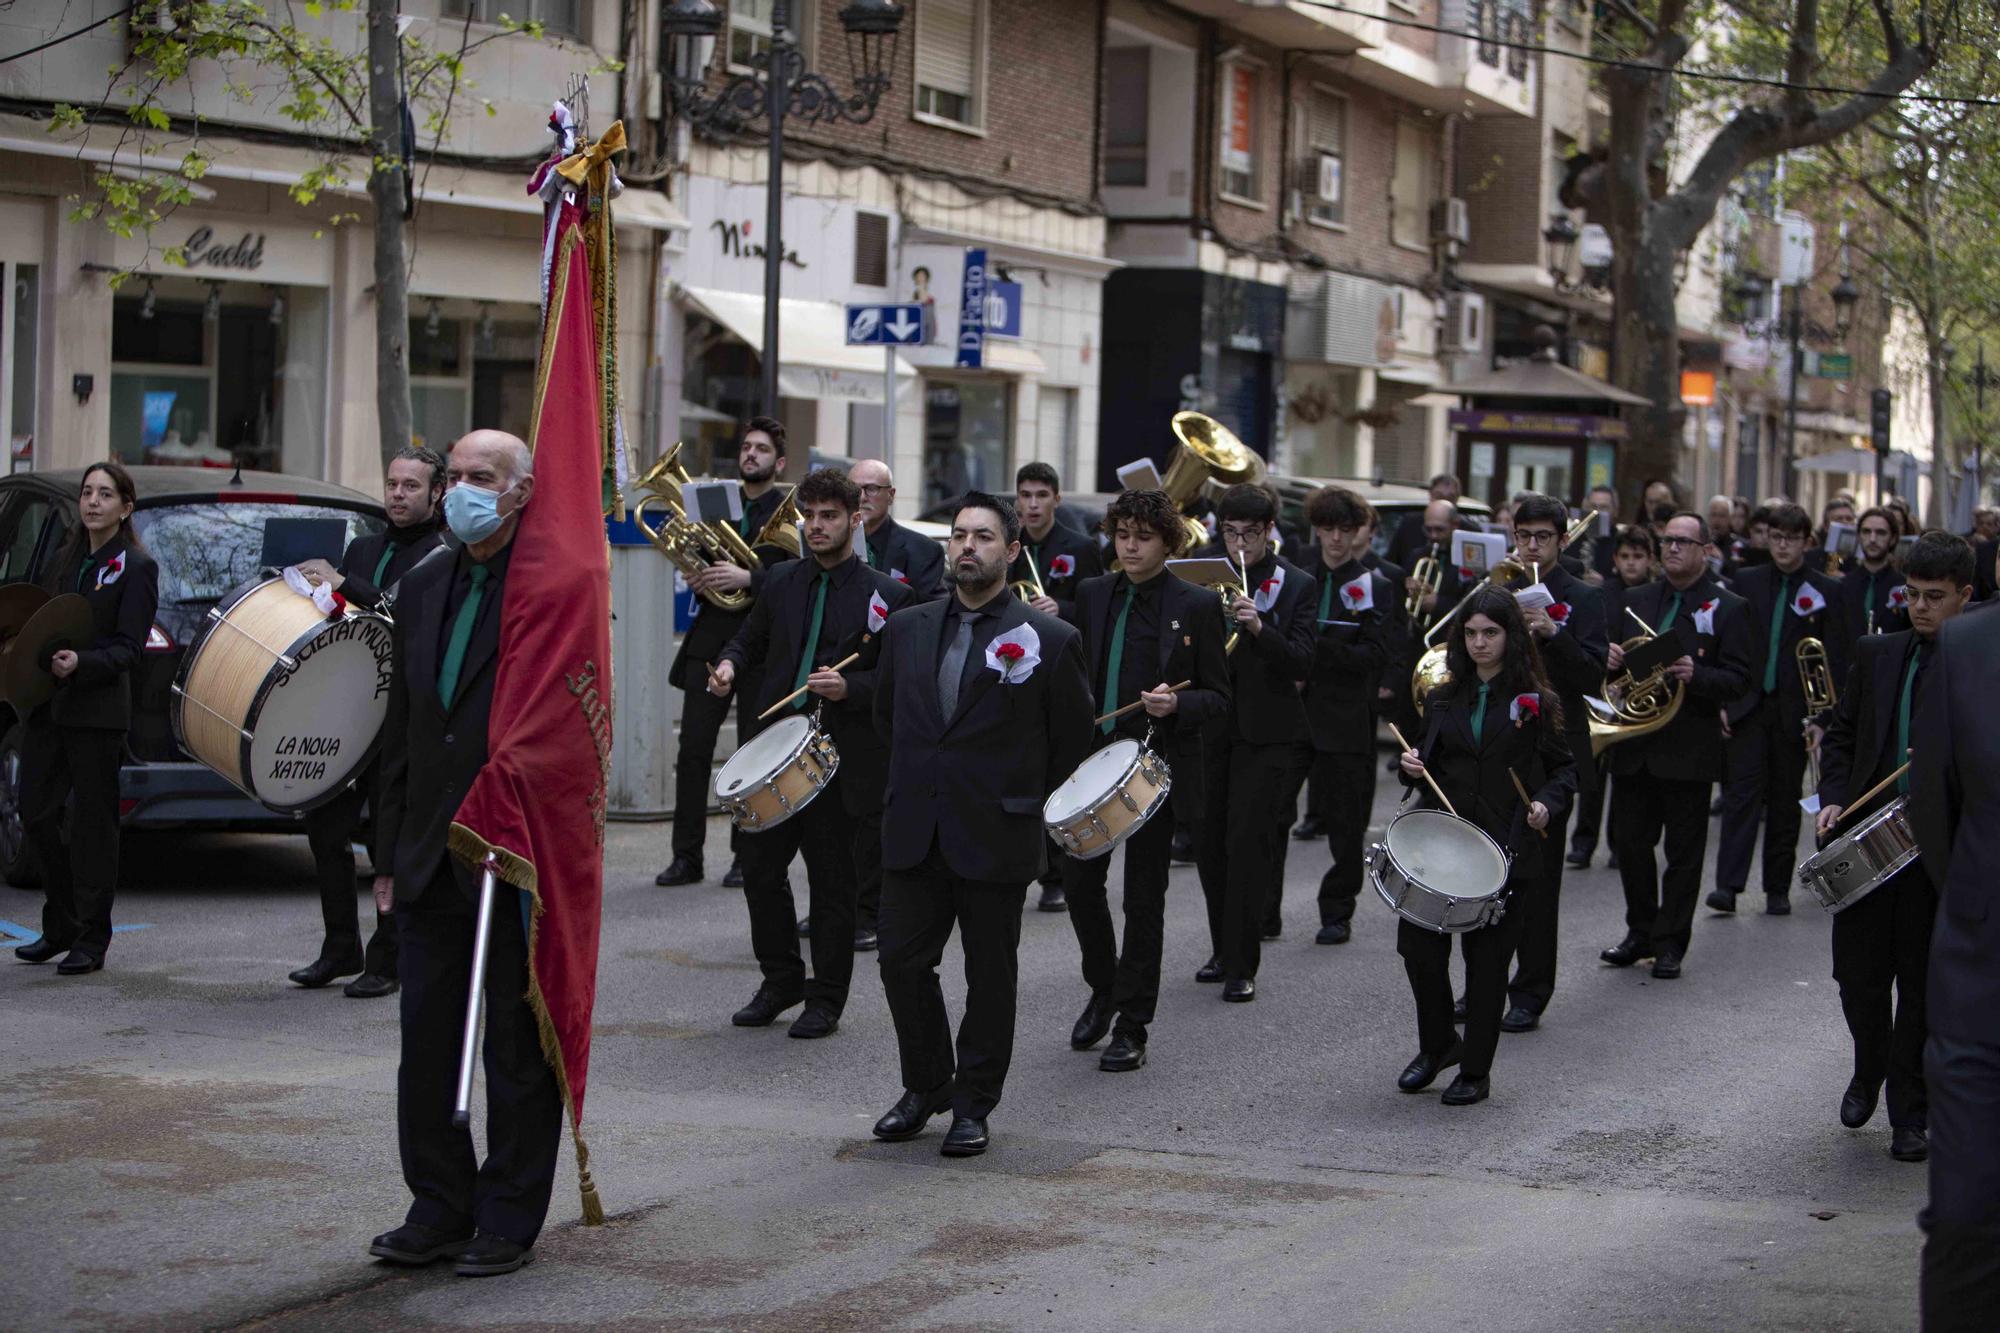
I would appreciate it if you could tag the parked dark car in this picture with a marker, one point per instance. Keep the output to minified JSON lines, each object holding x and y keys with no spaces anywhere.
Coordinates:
{"x":205,"y":527}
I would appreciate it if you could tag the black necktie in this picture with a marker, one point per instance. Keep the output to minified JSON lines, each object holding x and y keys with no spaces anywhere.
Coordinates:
{"x":953,"y":665}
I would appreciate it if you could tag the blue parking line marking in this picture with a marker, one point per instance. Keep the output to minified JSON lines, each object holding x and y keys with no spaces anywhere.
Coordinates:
{"x":14,"y":931}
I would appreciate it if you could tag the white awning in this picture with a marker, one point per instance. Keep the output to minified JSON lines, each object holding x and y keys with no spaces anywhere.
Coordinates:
{"x":1012,"y":358}
{"x":814,"y":360}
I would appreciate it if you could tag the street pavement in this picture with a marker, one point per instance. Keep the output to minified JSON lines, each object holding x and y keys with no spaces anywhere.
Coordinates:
{"x":188,"y":1141}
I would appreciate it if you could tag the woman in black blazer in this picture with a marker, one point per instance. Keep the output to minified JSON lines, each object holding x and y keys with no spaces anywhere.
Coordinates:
{"x":1498,"y":713}
{"x":73,"y":746}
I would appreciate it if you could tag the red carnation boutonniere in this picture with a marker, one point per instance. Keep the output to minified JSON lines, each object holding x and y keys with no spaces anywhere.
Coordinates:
{"x":1010,"y":653}
{"x":1016,"y":654}
{"x":1062,"y":566}
{"x":1466,"y":572}
{"x":1559,"y":612}
{"x":878,"y":613}
{"x":1525,"y":708}
{"x":1704,"y":617}
{"x":1809,"y":601}
{"x":1899,"y":598}
{"x":114,"y":569}
{"x":1358,"y":596}
{"x":1266,"y":595}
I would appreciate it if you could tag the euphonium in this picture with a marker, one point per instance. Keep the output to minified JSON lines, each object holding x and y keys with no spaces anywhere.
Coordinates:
{"x":1431,"y":672}
{"x":692,"y":546}
{"x":1206,"y":450}
{"x":782,"y":529}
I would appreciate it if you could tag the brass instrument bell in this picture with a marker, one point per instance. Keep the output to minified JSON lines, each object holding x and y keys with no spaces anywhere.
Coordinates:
{"x":692,"y":546}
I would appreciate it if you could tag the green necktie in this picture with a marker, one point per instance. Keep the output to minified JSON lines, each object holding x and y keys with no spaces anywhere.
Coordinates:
{"x":1777,"y":632}
{"x":1326,"y":597}
{"x":382,"y":565}
{"x":811,"y":643}
{"x":868,"y":551}
{"x":1903,"y":715}
{"x":461,"y":635}
{"x":89,"y":563}
{"x":1673,"y":611}
{"x":1868,"y":602}
{"x":1479,"y":714}
{"x":1116,"y":661}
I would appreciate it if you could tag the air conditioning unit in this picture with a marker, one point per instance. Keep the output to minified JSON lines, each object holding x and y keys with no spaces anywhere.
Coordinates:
{"x":1464,"y":321}
{"x":1451,"y":221}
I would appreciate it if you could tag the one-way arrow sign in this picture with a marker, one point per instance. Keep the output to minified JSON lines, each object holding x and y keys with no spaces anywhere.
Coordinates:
{"x":885,"y":325}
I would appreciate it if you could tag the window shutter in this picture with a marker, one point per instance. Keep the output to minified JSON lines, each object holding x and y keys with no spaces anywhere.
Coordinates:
{"x":946,"y":45}
{"x":871,"y":249}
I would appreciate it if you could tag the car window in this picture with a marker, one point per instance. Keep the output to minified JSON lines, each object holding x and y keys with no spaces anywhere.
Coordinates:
{"x":21,"y":522}
{"x":205,"y":550}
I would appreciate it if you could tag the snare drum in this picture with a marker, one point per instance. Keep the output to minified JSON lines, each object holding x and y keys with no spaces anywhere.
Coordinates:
{"x":282,"y":701}
{"x":1439,"y":871}
{"x":1862,"y":859}
{"x":1109,"y":798}
{"x":776,"y":773}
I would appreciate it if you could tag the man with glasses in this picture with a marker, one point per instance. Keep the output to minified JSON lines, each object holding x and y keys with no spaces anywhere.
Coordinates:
{"x":1871,"y":598}
{"x":1788,"y":603}
{"x":887,"y":545}
{"x":1663,"y":777}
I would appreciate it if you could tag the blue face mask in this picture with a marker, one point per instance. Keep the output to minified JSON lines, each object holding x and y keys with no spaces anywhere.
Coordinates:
{"x":472,"y":514}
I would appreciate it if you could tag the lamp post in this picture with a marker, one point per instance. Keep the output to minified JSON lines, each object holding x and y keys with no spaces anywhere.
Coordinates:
{"x":778,"y":87}
{"x":1845,"y":296}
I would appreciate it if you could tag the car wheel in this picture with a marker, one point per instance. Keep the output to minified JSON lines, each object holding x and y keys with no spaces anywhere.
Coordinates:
{"x":17,"y":859}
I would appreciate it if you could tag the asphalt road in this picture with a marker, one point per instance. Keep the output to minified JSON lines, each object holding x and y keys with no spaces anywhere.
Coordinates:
{"x":188,"y":1141}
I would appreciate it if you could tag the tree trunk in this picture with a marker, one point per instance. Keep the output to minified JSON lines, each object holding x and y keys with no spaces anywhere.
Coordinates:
{"x":1944,"y":463}
{"x":1647,"y":360}
{"x":386,"y":188}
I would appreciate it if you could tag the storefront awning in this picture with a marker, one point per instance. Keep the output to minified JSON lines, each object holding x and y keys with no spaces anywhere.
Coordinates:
{"x":814,"y":360}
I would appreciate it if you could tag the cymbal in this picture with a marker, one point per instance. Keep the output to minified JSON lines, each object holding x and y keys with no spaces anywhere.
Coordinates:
{"x":18,"y":601}
{"x":65,"y":622}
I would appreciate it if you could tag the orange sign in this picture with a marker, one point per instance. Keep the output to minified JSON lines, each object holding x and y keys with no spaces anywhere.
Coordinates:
{"x":1698,"y":388}
{"x":1240,"y":143}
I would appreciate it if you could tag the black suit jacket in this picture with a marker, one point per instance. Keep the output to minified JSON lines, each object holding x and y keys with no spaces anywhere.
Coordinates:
{"x":1474,"y":775}
{"x":1268,"y":669}
{"x":357,"y":565}
{"x":909,"y":557}
{"x":774,"y":636}
{"x":1083,"y":561}
{"x":1191,"y":638}
{"x":1758,"y":586}
{"x":431,"y":754}
{"x":1349,"y":662}
{"x":1689,"y":748}
{"x":1955,"y":808}
{"x":1862,"y":729}
{"x":713,"y":627}
{"x":1574,"y":655}
{"x":1401,"y":634}
{"x":973,"y":784}
{"x":1854,"y":603}
{"x":123,"y":589}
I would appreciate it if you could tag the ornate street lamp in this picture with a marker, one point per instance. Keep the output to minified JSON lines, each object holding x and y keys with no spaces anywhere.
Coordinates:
{"x":1561,"y":235}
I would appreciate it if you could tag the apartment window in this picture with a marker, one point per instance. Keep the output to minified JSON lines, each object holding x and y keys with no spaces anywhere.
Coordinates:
{"x":951,"y":59}
{"x":562,"y":18}
{"x":1322,"y":171}
{"x":871,"y":249}
{"x":1127,"y":79}
{"x":1242,"y":99}
{"x":750,"y":31}
{"x":1412,"y":187}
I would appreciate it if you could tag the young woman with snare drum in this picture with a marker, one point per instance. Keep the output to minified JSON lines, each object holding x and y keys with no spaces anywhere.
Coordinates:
{"x":1496,"y":720}
{"x":73,"y":745}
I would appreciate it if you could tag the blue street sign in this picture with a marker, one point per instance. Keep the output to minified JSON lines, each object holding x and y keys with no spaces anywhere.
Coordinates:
{"x":1003,"y":309}
{"x":972,"y":310}
{"x":885,"y":325}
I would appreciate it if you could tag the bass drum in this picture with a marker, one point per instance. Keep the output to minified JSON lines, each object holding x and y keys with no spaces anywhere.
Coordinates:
{"x":284,"y":702}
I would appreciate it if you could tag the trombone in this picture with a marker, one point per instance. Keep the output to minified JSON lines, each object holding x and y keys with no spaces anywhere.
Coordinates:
{"x":1816,"y":679}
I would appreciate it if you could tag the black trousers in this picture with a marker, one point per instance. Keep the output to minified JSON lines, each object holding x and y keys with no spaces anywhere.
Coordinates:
{"x":1643,"y":808}
{"x":1765,"y":769}
{"x":508,"y":1194}
{"x":1961,"y":1273}
{"x":694,"y":762}
{"x":1590,"y":803}
{"x":1130,"y":977}
{"x":1348,"y":783}
{"x":1249,"y":791}
{"x":825,"y":833}
{"x":1534,"y":980}
{"x":1882,"y":943}
{"x":867,"y":869}
{"x":1427,"y":961}
{"x":1184,"y":756}
{"x":330,"y":830}
{"x":919,"y":907}
{"x":73,"y":768}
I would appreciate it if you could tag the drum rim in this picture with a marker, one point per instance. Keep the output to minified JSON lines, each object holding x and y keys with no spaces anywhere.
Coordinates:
{"x":262,"y":696}
{"x":803,"y":744}
{"x":1506,"y":861}
{"x":1852,"y":838}
{"x":1131,"y":767}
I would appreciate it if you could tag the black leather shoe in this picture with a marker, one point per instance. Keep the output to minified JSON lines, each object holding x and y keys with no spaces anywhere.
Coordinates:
{"x":1520,"y":1018}
{"x":76,"y":962}
{"x":1421,"y":1072}
{"x":1909,"y":1143}
{"x":1181,"y":851}
{"x":1777,"y":904}
{"x":1092,"y":1023}
{"x":1124,"y":1054}
{"x":865,"y":940}
{"x":370,"y":986}
{"x":733,"y":877}
{"x":1722,"y":900}
{"x":1857,"y":1104}
{"x":1458,"y":1010}
{"x":323,"y":970}
{"x":763,"y":1009}
{"x":681,"y":870}
{"x":907,"y":1118}
{"x":1052,"y":899}
{"x":814,"y":1022}
{"x":1465,"y":1091}
{"x":1577,"y":860}
{"x":490,"y":1256}
{"x":965,"y":1138}
{"x":1668,"y":965}
{"x":1627,"y":951}
{"x":1239,"y":990}
{"x":39,"y":950}
{"x":1210,"y":971}
{"x":415,"y":1245}
{"x":1336,"y":932}
{"x":1308,"y":829}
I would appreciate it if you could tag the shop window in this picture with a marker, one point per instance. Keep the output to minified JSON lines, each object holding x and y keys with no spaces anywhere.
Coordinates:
{"x":1127,"y":80}
{"x":950,"y":62}
{"x":1413,"y":185}
{"x":477,"y":370}
{"x":563,"y":18}
{"x":1242,"y":105}
{"x":20,"y":344}
{"x":750,"y":31}
{"x":966,"y":434}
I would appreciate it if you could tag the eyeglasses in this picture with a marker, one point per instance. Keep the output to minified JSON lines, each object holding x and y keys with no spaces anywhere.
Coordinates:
{"x":1535,"y":535}
{"x":1931,"y":597}
{"x":1776,"y":538}
{"x":1671,"y":543}
{"x":875,"y":487}
{"x":1242,"y":534}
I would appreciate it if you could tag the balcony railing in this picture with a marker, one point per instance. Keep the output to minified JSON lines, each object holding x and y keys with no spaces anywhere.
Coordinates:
{"x":1491,"y":22}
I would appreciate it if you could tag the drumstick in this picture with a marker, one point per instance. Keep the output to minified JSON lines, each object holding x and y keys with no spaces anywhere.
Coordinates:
{"x":1524,"y":796}
{"x":1435,"y":789}
{"x":1871,"y":794}
{"x":842,"y":664}
{"x":1137,"y":703}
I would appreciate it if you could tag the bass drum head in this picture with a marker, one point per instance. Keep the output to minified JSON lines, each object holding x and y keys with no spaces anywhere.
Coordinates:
{"x":762,"y":755}
{"x":1092,"y":782}
{"x":317,"y":725}
{"x":1446,"y":854}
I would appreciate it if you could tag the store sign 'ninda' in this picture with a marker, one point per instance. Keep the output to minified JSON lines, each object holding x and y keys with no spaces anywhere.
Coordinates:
{"x":736,"y":244}
{"x":201,"y":252}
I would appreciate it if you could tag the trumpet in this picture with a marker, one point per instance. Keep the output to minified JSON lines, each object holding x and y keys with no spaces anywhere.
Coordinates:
{"x":1633,"y":707}
{"x":1429,"y":575}
{"x":1431,"y":672}
{"x":693,"y":546}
